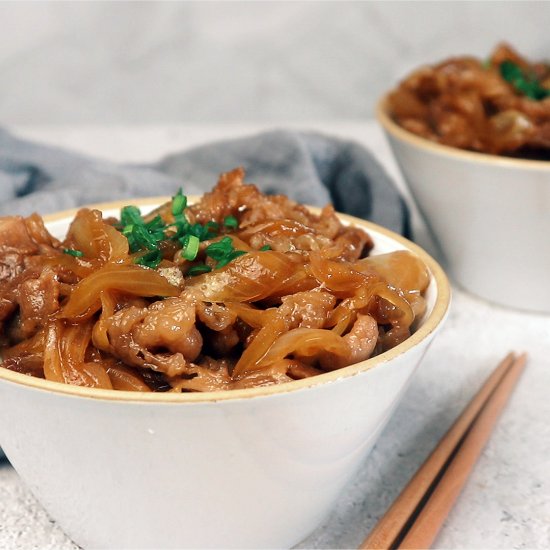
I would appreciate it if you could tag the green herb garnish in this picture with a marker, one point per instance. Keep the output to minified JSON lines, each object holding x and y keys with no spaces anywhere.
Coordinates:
{"x":141,"y":235}
{"x":204,"y":232}
{"x":181,"y":226}
{"x":150,"y":259}
{"x":229,"y":258}
{"x":526,"y":84}
{"x":130,"y":215}
{"x":147,"y":237}
{"x":179,"y":203}
{"x":190,"y":247}
{"x":231,"y":222}
{"x":265,"y":248}
{"x":220,"y":249}
{"x":198,"y":269}
{"x":223,"y":251}
{"x":73,"y":252}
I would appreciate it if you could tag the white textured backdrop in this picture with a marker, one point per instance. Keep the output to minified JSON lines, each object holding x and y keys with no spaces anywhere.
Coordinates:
{"x":75,"y":63}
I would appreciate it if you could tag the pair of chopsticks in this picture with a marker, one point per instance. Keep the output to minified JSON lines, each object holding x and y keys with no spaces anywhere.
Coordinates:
{"x":416,"y":516}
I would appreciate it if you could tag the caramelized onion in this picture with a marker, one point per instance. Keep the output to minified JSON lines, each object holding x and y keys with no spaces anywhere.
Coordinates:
{"x":248,"y":278}
{"x":260,"y":345}
{"x":64,"y":352}
{"x":303,"y":342}
{"x":251,"y":315}
{"x":337,"y":276}
{"x":129,"y":279}
{"x":126,"y":378}
{"x":90,"y":235}
{"x":401,"y":269}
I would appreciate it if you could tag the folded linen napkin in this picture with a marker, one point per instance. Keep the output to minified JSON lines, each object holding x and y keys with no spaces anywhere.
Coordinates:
{"x":308,"y":167}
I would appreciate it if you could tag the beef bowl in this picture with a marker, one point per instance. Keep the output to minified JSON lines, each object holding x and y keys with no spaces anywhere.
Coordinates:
{"x":245,"y":462}
{"x":490,"y":216}
{"x":472,"y":140}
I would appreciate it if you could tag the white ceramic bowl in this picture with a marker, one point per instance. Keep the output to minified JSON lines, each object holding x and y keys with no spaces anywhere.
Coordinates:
{"x":255,"y":468}
{"x":489,"y":214}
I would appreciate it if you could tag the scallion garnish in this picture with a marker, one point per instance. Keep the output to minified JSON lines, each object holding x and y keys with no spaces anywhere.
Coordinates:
{"x":230,"y":222}
{"x":198,"y":269}
{"x":150,"y":259}
{"x":223,"y":251}
{"x":229,"y":258}
{"x":220,"y":249}
{"x":204,"y":232}
{"x":156,"y":224}
{"x":130,"y":215}
{"x":265,"y":248}
{"x":140,"y":234}
{"x":526,"y":84}
{"x":147,"y":236}
{"x":190,"y":247}
{"x":73,"y":252}
{"x":179,"y":202}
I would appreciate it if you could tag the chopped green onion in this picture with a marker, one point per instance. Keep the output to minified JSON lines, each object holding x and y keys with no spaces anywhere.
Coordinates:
{"x":190,"y":247}
{"x":229,"y":258}
{"x":526,"y":84}
{"x":265,"y":247}
{"x":198,"y":269}
{"x":203,"y":232}
{"x":150,"y":259}
{"x":223,"y":251}
{"x":220,"y":249}
{"x":181,"y":225}
{"x":179,"y":202}
{"x":146,"y":237}
{"x":130,"y":215}
{"x":231,"y":222}
{"x":155,"y":224}
{"x":140,"y":234}
{"x":73,"y":252}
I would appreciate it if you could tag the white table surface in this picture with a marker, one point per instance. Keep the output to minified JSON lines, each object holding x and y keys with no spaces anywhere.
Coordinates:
{"x":506,"y":502}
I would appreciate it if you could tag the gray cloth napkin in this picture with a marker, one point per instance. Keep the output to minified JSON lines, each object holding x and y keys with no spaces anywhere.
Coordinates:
{"x":308,"y":167}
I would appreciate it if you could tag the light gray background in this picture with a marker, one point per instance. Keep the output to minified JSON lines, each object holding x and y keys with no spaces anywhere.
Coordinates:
{"x":174,"y":62}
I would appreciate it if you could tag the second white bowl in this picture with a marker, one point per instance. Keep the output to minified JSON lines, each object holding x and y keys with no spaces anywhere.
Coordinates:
{"x":489,"y":214}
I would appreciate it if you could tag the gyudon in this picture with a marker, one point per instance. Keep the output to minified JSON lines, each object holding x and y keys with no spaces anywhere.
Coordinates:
{"x":498,"y":106}
{"x":238,"y":290}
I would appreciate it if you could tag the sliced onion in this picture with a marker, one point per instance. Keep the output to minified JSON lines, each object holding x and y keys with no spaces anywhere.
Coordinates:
{"x":253,"y":276}
{"x":401,"y":269}
{"x":252,"y":316}
{"x":64,"y":352}
{"x":260,"y":345}
{"x":303,"y":342}
{"x":95,"y":238}
{"x":85,"y":299}
{"x":126,"y":378}
{"x":338,"y":277}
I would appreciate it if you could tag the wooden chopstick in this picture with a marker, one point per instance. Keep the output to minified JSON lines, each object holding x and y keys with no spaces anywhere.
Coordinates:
{"x":415,"y":517}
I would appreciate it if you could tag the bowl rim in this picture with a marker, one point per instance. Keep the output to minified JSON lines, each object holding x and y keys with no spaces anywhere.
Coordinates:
{"x":386,"y":121}
{"x":431,"y":324}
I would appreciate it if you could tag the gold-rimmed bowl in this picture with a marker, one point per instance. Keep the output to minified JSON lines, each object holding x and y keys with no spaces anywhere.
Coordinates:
{"x":489,"y":214}
{"x":253,"y":468}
